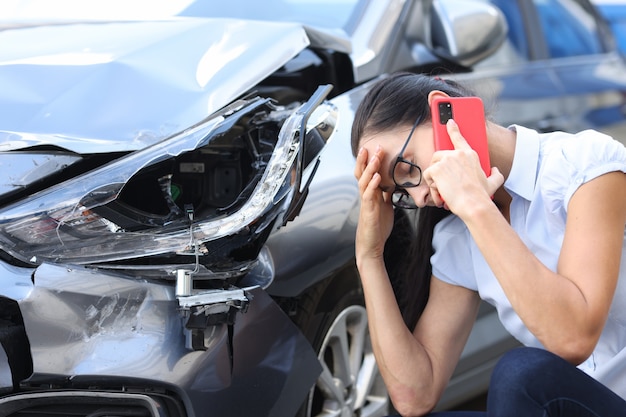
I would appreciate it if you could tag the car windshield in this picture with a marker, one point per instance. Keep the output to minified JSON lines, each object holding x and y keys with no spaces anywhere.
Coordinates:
{"x":320,"y":13}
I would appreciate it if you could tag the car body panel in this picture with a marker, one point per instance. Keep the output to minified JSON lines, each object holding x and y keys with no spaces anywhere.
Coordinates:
{"x":97,"y":327}
{"x":567,"y":93}
{"x":331,"y":209}
{"x":108,"y":327}
{"x":140,"y":87}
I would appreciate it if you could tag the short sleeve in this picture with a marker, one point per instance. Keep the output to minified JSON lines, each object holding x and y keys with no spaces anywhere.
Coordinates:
{"x":580,"y":159}
{"x":452,"y":258}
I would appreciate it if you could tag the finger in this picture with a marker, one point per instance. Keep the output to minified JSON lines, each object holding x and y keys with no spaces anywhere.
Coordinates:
{"x":366,"y":166}
{"x":427,"y":177}
{"x":361,"y":160}
{"x":495,"y":180}
{"x":458,"y":141}
{"x":372,"y":192}
{"x":435,"y":196}
{"x":370,"y":169}
{"x":387,"y":196}
{"x":374,"y":161}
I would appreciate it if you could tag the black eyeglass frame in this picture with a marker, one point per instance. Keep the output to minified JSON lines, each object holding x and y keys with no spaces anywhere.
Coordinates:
{"x":401,"y":188}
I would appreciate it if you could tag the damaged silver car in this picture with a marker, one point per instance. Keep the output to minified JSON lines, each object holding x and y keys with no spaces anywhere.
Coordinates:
{"x":178,"y":208}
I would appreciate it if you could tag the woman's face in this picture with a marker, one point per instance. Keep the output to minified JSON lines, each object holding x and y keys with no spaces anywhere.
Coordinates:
{"x":419,"y":151}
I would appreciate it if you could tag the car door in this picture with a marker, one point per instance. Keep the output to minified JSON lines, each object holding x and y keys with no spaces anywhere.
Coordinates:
{"x":590,"y":70}
{"x":518,"y":83}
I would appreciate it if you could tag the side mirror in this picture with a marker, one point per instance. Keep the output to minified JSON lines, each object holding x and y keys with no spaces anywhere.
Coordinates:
{"x":465,"y":31}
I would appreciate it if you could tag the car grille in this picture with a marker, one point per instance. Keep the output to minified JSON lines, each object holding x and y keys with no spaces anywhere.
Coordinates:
{"x":82,"y":404}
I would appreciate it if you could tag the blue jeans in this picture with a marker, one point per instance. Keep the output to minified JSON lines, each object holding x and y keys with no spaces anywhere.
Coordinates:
{"x":529,"y":382}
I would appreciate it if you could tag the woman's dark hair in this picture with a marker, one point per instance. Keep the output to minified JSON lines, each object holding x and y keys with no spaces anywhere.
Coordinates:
{"x":399,"y":100}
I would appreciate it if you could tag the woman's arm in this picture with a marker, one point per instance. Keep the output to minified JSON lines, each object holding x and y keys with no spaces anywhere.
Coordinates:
{"x":415,"y":366}
{"x":566,"y":310}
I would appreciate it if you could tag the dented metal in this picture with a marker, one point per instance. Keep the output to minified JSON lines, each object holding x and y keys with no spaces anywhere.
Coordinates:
{"x":93,"y":327}
{"x":133,"y":229}
{"x":110,"y":292}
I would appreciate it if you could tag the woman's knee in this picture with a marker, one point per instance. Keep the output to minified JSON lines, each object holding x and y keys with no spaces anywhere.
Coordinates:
{"x":525,"y":364}
{"x":524,"y":370}
{"x":535,"y":382}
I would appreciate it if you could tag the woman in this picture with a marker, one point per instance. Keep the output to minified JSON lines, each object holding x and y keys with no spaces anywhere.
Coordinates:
{"x":542,"y":239}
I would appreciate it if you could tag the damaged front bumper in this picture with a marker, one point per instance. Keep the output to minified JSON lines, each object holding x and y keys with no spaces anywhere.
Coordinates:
{"x":112,"y":340}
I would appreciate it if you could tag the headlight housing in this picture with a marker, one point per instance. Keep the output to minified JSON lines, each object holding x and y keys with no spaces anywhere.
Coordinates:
{"x":106,"y":215}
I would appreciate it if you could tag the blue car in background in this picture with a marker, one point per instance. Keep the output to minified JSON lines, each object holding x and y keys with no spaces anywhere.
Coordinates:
{"x":614,"y":11}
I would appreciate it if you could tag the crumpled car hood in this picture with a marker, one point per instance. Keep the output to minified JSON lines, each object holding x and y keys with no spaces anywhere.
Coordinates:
{"x":187,"y":171}
{"x":122,"y":86}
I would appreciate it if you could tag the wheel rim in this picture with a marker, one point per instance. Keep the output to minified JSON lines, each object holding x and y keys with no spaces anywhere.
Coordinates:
{"x":350,"y":383}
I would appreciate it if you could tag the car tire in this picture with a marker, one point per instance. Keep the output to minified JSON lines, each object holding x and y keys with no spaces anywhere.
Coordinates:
{"x":333,"y":317}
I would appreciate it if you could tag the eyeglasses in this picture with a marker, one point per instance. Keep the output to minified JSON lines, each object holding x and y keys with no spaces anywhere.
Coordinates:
{"x":405,"y":174}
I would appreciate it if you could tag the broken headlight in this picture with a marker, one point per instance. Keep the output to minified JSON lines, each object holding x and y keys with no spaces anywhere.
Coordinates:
{"x":215,"y":180}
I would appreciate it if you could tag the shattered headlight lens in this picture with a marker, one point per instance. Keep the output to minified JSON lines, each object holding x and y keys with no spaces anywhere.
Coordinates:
{"x":71,"y":223}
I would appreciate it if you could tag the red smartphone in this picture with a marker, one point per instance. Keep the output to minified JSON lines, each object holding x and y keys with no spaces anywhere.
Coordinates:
{"x":469,"y":115}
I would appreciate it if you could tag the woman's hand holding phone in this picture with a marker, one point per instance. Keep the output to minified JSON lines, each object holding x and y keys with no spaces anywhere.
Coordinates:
{"x":460,"y":171}
{"x":469,"y":115}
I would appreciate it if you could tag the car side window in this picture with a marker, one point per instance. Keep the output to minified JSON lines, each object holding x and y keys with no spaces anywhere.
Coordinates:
{"x":515,"y":48}
{"x":514,"y":20}
{"x":569,"y":28}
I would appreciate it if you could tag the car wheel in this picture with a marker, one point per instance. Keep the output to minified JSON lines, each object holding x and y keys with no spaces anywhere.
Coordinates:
{"x":334,"y":319}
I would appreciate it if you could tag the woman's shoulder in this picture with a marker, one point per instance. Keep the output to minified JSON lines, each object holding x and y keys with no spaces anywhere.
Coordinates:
{"x":568,"y":160}
{"x":584,"y":148}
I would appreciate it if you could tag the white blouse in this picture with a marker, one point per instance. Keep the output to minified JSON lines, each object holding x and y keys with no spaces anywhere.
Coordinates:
{"x":547,"y":170}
